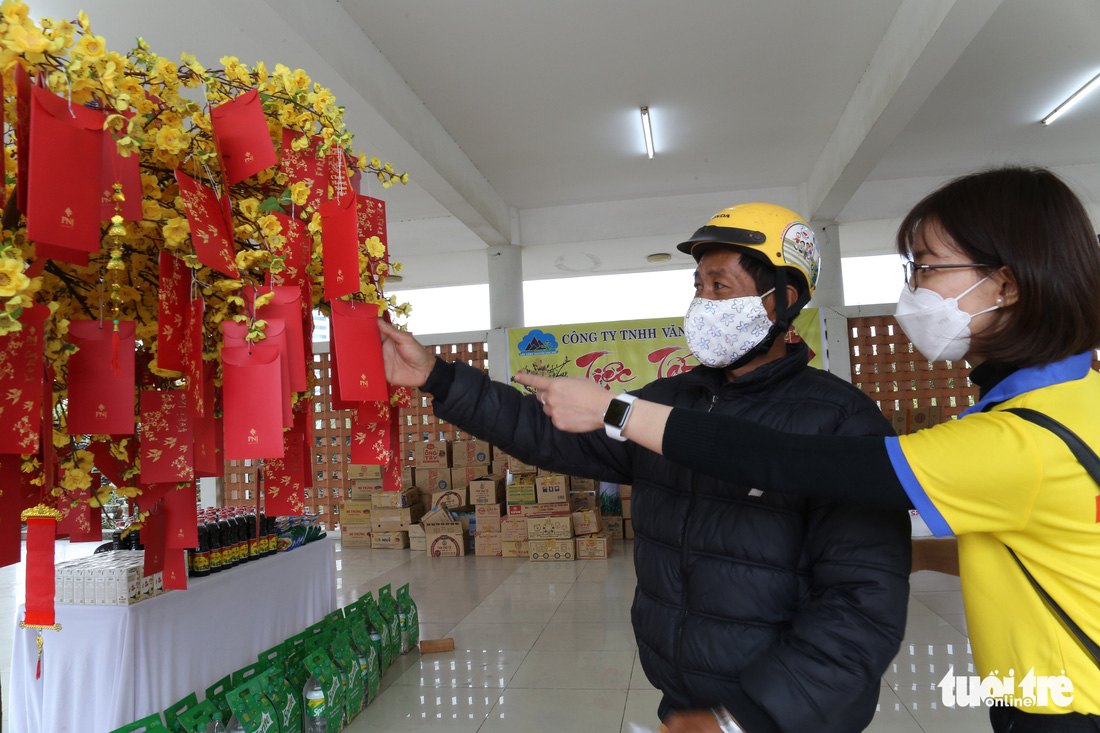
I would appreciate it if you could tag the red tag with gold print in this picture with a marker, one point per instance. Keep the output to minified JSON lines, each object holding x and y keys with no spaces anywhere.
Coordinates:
{"x":283,"y":485}
{"x":359,"y":357}
{"x":340,"y":247}
{"x":209,"y":460}
{"x":251,"y":380}
{"x":335,"y":398}
{"x":167,"y":449}
{"x":372,"y":220}
{"x":22,"y":134}
{"x":175,"y":286}
{"x":209,"y":232}
{"x":11,"y":505}
{"x":370,"y":433}
{"x":192,"y":359}
{"x":152,"y":536}
{"x":304,"y":166}
{"x":286,"y":304}
{"x":181,"y":529}
{"x":175,"y":567}
{"x":244,"y":143}
{"x":234,"y":334}
{"x":66,"y":159}
{"x":126,"y":171}
{"x":297,"y":251}
{"x":21,"y":372}
{"x":100,"y":401}
{"x":79,"y":520}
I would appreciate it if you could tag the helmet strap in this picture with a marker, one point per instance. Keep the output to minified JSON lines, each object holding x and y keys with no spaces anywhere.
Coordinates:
{"x":784,"y":314}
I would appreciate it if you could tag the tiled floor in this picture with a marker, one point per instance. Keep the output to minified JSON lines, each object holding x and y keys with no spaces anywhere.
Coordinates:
{"x":549,"y":647}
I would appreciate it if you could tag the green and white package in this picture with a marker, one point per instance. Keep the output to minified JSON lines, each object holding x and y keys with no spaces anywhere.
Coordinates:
{"x":379,"y":627}
{"x":275,"y":657}
{"x":296,"y":673}
{"x":252,"y":709}
{"x":368,"y":655}
{"x":244,"y":674}
{"x":285,"y":699}
{"x":410,"y":617}
{"x":173,"y":712}
{"x":324,"y":671}
{"x":148,"y":724}
{"x":388,"y":606}
{"x":348,"y":662}
{"x":201,"y":718}
{"x":216,"y":694}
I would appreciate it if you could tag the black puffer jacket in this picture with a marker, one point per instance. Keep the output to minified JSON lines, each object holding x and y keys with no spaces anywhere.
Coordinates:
{"x":783,"y":609}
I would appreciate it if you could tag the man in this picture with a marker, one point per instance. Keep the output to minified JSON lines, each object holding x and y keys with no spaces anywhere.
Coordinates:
{"x":753,"y":611}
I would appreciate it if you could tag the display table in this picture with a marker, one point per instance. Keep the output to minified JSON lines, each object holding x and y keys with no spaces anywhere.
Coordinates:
{"x":112,"y":665}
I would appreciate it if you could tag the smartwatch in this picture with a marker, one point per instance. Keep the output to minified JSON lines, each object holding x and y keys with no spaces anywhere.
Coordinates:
{"x":726,"y":721}
{"x":614,"y":419}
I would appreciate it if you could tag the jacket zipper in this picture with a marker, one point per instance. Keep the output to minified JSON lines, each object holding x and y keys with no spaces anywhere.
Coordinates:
{"x":684,"y":573}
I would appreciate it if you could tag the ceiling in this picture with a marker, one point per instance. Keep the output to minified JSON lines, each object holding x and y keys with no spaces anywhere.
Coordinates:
{"x":519,"y":124}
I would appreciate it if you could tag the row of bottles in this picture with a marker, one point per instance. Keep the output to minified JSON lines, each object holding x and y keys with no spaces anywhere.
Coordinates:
{"x":229,"y":537}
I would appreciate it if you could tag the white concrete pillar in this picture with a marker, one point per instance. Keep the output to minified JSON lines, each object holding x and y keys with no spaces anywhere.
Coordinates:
{"x":505,"y":304}
{"x":829,"y":297}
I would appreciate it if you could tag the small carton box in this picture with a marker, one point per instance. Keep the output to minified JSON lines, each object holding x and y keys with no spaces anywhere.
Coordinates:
{"x":628,"y":529}
{"x":355,"y":512}
{"x":515,"y":549}
{"x":444,"y":535}
{"x":451,"y":498}
{"x":362,"y":490}
{"x":389,"y":540}
{"x":551,"y":550}
{"x":549,"y":528}
{"x":395,"y":520}
{"x":579,"y":483}
{"x":487,"y":544}
{"x":547,"y":510}
{"x":583,"y":500}
{"x":626,"y":509}
{"x":514,"y":529}
{"x":613,"y":526}
{"x":625,"y":490}
{"x":406,"y":476}
{"x":487,"y":490}
{"x":355,"y":535}
{"x":522,"y":492}
{"x":395,"y":499}
{"x":587,"y":521}
{"x":470,"y":453}
{"x":417,"y":538}
{"x":433,"y":479}
{"x":361,"y":472}
{"x":488,"y":517}
{"x":552,"y":488}
{"x":432,"y":454}
{"x":515,"y":465}
{"x":499,"y":454}
{"x":594,"y":547}
{"x":500,"y":468}
{"x":462,"y":476}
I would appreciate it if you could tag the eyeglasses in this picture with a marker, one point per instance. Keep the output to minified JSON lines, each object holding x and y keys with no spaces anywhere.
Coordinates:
{"x":912,"y":268}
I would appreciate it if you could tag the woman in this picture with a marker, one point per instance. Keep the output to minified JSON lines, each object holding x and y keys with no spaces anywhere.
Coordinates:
{"x":1004,"y":270}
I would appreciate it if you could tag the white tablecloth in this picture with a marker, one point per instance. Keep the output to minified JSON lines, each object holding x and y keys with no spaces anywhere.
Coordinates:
{"x":109,"y":666}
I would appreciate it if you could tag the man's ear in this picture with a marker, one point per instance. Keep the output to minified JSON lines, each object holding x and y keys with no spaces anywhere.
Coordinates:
{"x":792,"y":294}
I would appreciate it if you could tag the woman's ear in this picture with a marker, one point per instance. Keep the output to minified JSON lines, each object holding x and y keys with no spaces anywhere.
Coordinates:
{"x":1008,"y":292}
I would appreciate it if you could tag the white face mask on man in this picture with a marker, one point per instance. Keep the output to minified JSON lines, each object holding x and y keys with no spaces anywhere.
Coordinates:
{"x":938,"y":328}
{"x":719,"y":332}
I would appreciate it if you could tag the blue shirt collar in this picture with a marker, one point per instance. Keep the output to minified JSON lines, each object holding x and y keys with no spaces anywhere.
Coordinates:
{"x":1032,"y":378}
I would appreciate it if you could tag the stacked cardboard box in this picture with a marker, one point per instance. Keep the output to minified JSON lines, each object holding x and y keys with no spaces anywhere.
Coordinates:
{"x":486,"y":495}
{"x":392,"y":514}
{"x":444,"y":535}
{"x":628,"y":527}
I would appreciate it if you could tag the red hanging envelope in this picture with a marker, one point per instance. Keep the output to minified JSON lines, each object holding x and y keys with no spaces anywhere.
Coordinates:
{"x":297,"y":251}
{"x":209,"y":231}
{"x":244,"y":143}
{"x":175,"y":569}
{"x":234,"y":335}
{"x":181,"y":528}
{"x":283,"y":478}
{"x":167,"y":443}
{"x":372,"y":221}
{"x":79,"y":520}
{"x":11,"y":505}
{"x":66,"y":160}
{"x":126,"y":171}
{"x":175,"y":285}
{"x":110,"y":466}
{"x":359,"y":357}
{"x":338,"y":176}
{"x":21,"y":374}
{"x":208,"y":450}
{"x":101,"y":401}
{"x":336,"y":400}
{"x":304,"y":166}
{"x":340,"y":247}
{"x":152,"y":536}
{"x":286,"y":305}
{"x":192,"y":359}
{"x":22,"y":134}
{"x":251,"y":379}
{"x":370,"y":433}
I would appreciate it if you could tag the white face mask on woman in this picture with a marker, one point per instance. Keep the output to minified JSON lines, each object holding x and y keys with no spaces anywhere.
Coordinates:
{"x":719,"y":332}
{"x":935,"y":324}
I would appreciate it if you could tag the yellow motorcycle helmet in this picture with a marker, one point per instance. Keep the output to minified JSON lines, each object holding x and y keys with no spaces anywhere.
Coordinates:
{"x":771,"y":233}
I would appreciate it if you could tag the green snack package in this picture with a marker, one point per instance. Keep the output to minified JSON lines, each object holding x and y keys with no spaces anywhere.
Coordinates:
{"x":286,"y":699}
{"x":200,"y":718}
{"x":388,"y":606}
{"x":149,"y":724}
{"x":317,"y":628}
{"x":275,"y":657}
{"x":173,"y":712}
{"x":382,"y":629}
{"x":244,"y":674}
{"x":345,"y":657}
{"x":368,"y":656}
{"x":216,"y":694}
{"x":323,"y":696}
{"x":336,"y":618}
{"x":252,"y":709}
{"x":410,"y":617}
{"x":296,"y":674}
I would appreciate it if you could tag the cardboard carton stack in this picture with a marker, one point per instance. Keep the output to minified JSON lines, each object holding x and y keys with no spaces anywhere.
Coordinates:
{"x":628,"y":527}
{"x":444,"y":535}
{"x":392,"y":515}
{"x":550,"y":524}
{"x":355,"y":521}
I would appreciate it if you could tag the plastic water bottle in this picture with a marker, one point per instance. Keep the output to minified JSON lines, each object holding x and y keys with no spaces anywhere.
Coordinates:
{"x":403,"y":621}
{"x":363,"y":666}
{"x":315,"y":713}
{"x":215,"y":726}
{"x":234,"y":725}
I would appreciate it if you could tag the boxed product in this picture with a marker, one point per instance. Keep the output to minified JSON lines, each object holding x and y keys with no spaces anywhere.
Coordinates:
{"x":362,"y":490}
{"x":626,"y":508}
{"x":500,"y":468}
{"x":417,"y":538}
{"x":515,"y":549}
{"x":355,"y":512}
{"x":624,"y":490}
{"x":515,"y":465}
{"x":541,"y":510}
{"x":432,"y":454}
{"x":395,"y":520}
{"x":358,"y":472}
{"x":488,"y":517}
{"x":444,"y":536}
{"x":579,"y":483}
{"x":584,"y":499}
{"x":549,"y":528}
{"x":521,"y":491}
{"x":433,"y":479}
{"x":487,"y":544}
{"x":552,"y":488}
{"x":395,"y":499}
{"x":355,"y":535}
{"x":514,"y":529}
{"x":389,"y":540}
{"x":594,"y":546}
{"x":470,"y":453}
{"x":451,"y":498}
{"x":487,"y":490}
{"x":498,"y":454}
{"x":587,"y":521}
{"x":628,"y":529}
{"x":614,"y":527}
{"x":551,"y":550}
{"x":406,"y":477}
{"x":462,"y":476}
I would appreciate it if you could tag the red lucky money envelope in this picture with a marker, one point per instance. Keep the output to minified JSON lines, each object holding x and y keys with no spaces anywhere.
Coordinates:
{"x":101,"y":401}
{"x":251,"y":380}
{"x":296,"y":250}
{"x":83,"y":523}
{"x":370,"y":434}
{"x":234,"y":335}
{"x":283,"y":478}
{"x":286,"y":305}
{"x":23,"y":86}
{"x":192,"y":359}
{"x":126,"y":171}
{"x":304,"y":166}
{"x":167,"y":443}
{"x":209,"y":460}
{"x":340,"y":247}
{"x":21,"y":375}
{"x":240,"y":131}
{"x":11,"y":506}
{"x":181,"y":528}
{"x":209,"y":230}
{"x":359,"y":356}
{"x":152,"y":536}
{"x":175,"y":286}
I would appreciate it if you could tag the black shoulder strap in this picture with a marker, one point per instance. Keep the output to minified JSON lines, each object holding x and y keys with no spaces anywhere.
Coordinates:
{"x":1091,"y":462}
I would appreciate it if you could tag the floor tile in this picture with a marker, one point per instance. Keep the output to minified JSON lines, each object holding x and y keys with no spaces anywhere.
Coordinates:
{"x":575,"y":670}
{"x":503,"y":636}
{"x":463,"y":668}
{"x":638,"y":680}
{"x":641,"y":709}
{"x":513,"y":612}
{"x":556,"y":711}
{"x":559,"y":635}
{"x":403,"y":709}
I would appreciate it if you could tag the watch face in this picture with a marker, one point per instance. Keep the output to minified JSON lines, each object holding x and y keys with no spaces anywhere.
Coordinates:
{"x":616,"y":413}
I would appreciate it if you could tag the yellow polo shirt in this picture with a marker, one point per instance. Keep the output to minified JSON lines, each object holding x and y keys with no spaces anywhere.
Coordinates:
{"x":995,"y":479}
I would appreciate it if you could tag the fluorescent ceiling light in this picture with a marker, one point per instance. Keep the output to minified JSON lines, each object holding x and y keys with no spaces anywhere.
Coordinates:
{"x":647,"y":132}
{"x":1077,"y":96}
